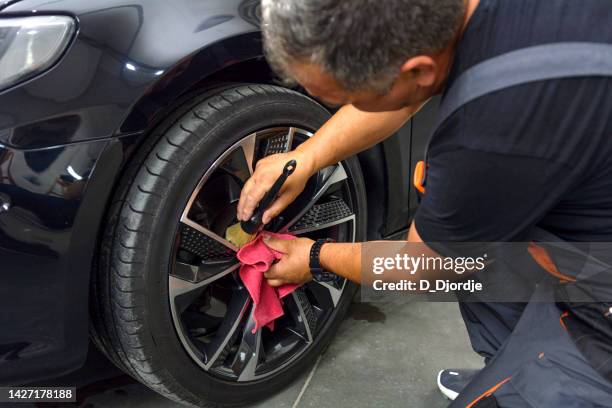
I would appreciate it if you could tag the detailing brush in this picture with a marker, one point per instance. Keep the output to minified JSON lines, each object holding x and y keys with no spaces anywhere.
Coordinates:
{"x":243,"y":232}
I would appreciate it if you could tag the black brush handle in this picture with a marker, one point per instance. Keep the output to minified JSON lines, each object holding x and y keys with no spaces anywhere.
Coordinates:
{"x":254,"y":223}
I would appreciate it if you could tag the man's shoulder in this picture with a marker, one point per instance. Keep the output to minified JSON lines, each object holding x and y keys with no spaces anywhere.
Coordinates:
{"x":546,"y":119}
{"x":500,"y":26}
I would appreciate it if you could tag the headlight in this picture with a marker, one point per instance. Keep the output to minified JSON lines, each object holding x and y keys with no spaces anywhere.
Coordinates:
{"x":30,"y":45}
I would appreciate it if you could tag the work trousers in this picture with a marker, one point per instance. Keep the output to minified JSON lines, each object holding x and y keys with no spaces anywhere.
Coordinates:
{"x":530,"y":359}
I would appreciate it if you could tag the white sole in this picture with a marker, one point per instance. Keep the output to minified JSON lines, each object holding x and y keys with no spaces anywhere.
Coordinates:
{"x":448,"y":393}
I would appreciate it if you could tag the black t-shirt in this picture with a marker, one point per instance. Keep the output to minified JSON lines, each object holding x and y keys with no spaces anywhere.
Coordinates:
{"x":534,"y":154}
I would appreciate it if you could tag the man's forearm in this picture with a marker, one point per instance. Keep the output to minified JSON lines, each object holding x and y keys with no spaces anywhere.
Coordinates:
{"x":351,"y":131}
{"x":343,"y":259}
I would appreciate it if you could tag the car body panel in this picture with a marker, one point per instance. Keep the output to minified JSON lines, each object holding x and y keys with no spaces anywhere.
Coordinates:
{"x":6,"y":3}
{"x":422,"y":128}
{"x":115,"y":81}
{"x":47,"y":240}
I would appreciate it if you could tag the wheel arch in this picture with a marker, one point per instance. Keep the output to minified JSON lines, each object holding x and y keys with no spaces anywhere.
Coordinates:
{"x":238,"y":58}
{"x":374,"y":170}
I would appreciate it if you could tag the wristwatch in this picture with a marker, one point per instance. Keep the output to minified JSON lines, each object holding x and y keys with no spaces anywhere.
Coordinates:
{"x":316,"y":270}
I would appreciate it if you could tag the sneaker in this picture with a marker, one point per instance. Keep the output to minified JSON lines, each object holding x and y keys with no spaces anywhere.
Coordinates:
{"x":452,"y":382}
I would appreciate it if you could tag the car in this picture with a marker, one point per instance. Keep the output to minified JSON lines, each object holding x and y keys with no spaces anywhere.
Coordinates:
{"x":127,"y":130}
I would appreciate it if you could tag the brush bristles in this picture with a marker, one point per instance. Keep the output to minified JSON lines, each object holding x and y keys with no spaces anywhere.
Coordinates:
{"x":237,"y":236}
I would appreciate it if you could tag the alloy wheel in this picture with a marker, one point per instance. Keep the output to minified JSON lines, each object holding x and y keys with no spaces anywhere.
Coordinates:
{"x":211,"y":308}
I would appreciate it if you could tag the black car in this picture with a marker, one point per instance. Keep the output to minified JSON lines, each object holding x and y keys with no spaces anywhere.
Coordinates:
{"x":127,"y":129}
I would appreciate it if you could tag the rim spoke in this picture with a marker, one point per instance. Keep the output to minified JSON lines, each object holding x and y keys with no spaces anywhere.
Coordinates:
{"x":247,"y":356}
{"x":247,"y":146}
{"x":236,"y":310}
{"x":302,"y":311}
{"x":290,"y":136}
{"x":203,"y":237}
{"x":331,"y":290}
{"x":337,"y":174}
{"x":180,"y":286}
{"x":203,"y":272}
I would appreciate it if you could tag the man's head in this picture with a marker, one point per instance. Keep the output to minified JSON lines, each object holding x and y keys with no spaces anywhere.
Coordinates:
{"x":376,"y":54}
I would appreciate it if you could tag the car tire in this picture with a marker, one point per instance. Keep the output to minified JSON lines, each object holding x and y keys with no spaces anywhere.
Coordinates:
{"x":132,"y":316}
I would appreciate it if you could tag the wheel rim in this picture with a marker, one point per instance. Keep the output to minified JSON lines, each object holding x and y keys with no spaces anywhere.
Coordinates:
{"x":211,"y":309}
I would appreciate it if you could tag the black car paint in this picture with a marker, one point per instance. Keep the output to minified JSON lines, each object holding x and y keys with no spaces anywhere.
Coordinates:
{"x":66,"y":135}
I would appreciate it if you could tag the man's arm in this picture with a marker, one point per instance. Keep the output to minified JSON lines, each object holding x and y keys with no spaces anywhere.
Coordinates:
{"x":351,"y":131}
{"x":348,"y":132}
{"x":343,"y":259}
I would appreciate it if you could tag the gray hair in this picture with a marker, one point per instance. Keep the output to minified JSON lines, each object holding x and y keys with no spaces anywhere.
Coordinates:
{"x":360,"y":43}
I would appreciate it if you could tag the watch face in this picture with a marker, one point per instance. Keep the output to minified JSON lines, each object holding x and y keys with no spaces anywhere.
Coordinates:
{"x":325,"y":277}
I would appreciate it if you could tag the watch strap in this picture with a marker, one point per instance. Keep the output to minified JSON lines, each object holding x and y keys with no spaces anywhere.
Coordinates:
{"x":315,"y":262}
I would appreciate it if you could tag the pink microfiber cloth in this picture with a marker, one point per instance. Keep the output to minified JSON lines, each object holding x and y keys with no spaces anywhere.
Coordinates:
{"x":256,"y":258}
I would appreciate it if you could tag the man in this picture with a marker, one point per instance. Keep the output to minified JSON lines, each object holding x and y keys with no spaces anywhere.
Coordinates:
{"x":532,"y":155}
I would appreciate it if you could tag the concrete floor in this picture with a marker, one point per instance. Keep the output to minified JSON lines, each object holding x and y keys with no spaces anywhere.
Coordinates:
{"x":384,"y":355}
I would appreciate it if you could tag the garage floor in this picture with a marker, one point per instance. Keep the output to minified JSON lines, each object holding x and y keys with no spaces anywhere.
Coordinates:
{"x":385,"y":354}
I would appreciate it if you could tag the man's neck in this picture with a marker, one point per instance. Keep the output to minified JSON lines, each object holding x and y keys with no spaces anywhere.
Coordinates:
{"x":470,"y":8}
{"x":444,"y":59}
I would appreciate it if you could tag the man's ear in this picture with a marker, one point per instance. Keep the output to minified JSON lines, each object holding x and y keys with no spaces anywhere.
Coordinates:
{"x":422,"y":68}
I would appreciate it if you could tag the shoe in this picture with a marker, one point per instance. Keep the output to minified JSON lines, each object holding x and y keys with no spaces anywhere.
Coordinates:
{"x":452,"y":382}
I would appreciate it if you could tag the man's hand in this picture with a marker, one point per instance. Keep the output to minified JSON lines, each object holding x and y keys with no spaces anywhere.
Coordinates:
{"x":294,"y":266}
{"x":266,"y":172}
